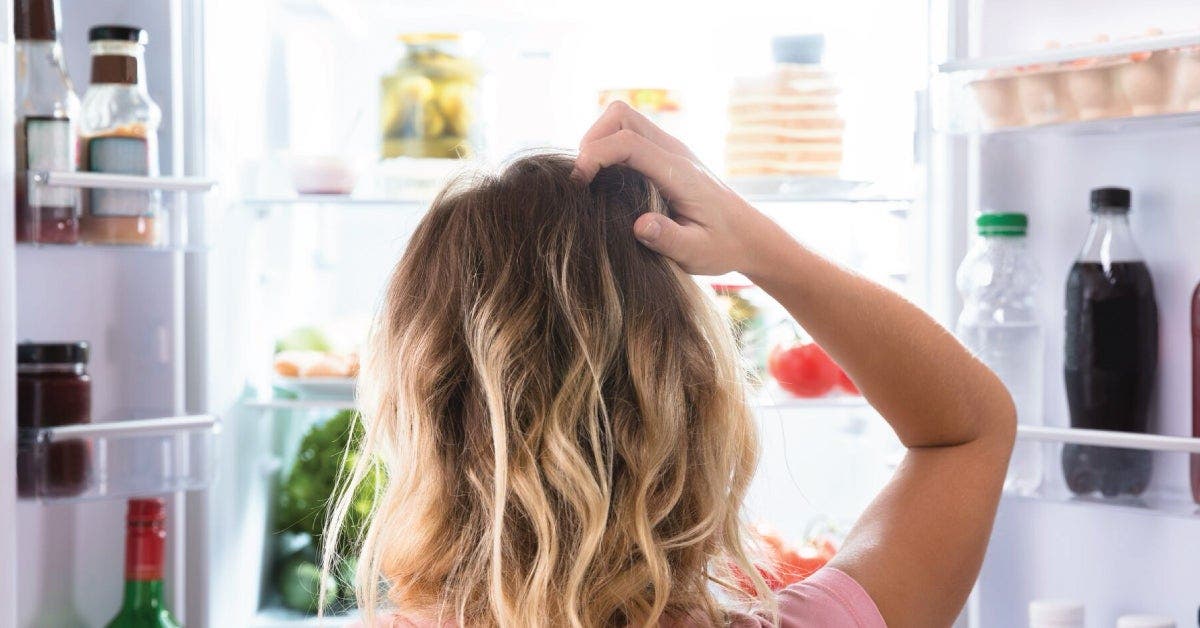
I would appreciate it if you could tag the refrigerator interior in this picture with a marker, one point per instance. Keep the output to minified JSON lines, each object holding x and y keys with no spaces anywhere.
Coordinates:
{"x":1115,"y":561}
{"x":294,"y":87}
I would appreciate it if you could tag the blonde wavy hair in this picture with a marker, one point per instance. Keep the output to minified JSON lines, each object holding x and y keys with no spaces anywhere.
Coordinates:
{"x":558,"y":412}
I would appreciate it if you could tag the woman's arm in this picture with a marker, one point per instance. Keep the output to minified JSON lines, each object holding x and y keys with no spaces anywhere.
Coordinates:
{"x":918,"y":547}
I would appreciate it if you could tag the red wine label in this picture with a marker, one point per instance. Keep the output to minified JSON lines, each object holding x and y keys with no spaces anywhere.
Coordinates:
{"x":49,"y":145}
{"x":144,"y":551}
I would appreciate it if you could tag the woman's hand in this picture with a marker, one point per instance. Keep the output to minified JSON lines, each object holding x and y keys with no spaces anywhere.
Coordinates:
{"x":711,"y":230}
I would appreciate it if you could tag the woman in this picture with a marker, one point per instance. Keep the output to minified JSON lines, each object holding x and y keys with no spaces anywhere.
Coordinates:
{"x":560,"y":414}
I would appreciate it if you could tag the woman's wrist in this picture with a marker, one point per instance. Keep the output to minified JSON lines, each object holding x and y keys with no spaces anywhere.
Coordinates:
{"x":767,"y":248}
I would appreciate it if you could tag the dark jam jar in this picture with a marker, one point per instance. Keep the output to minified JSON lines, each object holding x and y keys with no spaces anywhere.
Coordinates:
{"x":53,"y":389}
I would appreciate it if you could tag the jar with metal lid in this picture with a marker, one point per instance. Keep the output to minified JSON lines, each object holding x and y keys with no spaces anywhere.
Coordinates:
{"x":119,"y":129}
{"x":53,"y":389}
{"x":430,"y":103}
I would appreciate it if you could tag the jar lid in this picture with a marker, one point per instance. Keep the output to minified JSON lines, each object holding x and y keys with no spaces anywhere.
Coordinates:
{"x":1066,"y":612}
{"x":413,"y":39}
{"x":52,"y":353}
{"x":804,"y":49}
{"x":1002,"y":224}
{"x":117,"y":32}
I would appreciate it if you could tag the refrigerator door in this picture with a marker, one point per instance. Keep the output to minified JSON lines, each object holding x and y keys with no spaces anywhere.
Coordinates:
{"x":1115,"y":560}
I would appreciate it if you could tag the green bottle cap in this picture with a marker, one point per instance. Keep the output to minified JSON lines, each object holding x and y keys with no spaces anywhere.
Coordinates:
{"x":1002,"y":224}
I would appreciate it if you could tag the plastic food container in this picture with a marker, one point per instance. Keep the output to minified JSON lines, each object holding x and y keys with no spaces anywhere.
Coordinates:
{"x":1146,"y":76}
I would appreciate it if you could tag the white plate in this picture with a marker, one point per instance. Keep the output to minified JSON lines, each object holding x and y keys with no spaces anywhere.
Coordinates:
{"x":318,"y":386}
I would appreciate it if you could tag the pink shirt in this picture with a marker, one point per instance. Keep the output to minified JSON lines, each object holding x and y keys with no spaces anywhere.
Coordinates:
{"x":827,"y":599}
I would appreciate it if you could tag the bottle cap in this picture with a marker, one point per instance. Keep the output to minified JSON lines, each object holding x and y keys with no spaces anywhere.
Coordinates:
{"x":117,"y":32}
{"x":1144,"y":621}
{"x":1110,"y":199}
{"x":1002,"y":224}
{"x":1055,"y":612}
{"x":806,"y":49}
{"x":35,"y":20}
{"x":147,"y":510}
{"x":52,"y":353}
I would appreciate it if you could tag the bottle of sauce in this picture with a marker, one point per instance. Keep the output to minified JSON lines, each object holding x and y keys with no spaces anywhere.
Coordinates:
{"x":1111,"y":354}
{"x":120,"y":136}
{"x":53,"y":389}
{"x":144,"y":605}
{"x":45,"y":135}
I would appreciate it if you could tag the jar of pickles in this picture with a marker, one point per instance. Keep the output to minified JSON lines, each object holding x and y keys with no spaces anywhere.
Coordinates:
{"x":430,"y":104}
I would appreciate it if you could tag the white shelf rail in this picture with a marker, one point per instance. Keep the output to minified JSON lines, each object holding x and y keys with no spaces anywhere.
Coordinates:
{"x":138,"y":427}
{"x":119,"y":181}
{"x":1104,"y":438}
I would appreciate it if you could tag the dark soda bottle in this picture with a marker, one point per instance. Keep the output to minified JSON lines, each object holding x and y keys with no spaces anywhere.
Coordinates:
{"x":1111,"y":353}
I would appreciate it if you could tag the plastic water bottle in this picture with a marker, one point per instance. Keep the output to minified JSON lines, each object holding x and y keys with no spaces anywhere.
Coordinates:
{"x":999,"y":323}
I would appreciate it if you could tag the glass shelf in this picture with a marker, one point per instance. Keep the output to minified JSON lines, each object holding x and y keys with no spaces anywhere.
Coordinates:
{"x":1108,"y":126}
{"x":114,"y":459}
{"x":114,"y":248}
{"x":1144,"y":473}
{"x":300,"y":404}
{"x":337,"y":200}
{"x":1074,"y":53}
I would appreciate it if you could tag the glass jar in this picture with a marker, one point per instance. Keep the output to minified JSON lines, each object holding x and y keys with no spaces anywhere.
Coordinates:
{"x":119,"y":130}
{"x":47,"y":111}
{"x":429,"y":105}
{"x":53,"y":389}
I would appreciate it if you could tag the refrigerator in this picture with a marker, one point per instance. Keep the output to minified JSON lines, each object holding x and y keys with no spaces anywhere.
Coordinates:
{"x":270,"y":104}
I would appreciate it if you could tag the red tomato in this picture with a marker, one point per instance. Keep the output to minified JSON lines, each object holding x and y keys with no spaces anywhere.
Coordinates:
{"x":846,"y":384}
{"x":804,"y":370}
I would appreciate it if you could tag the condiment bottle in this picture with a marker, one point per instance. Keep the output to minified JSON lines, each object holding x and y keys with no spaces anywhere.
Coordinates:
{"x":53,"y":389}
{"x":45,"y":135}
{"x":1055,"y":614}
{"x":120,"y":135}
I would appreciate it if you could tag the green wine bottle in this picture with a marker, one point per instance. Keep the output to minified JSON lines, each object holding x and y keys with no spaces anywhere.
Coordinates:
{"x":144,"y":540}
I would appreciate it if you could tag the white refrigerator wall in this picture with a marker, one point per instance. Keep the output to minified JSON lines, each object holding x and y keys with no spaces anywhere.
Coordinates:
{"x":1115,"y":562}
{"x":8,"y":358}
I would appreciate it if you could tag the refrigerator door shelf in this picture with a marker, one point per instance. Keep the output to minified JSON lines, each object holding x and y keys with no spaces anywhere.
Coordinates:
{"x":1145,"y":473}
{"x":108,"y":211}
{"x":116,"y":459}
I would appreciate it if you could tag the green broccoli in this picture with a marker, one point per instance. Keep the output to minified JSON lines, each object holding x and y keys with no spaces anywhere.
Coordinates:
{"x":322,"y":462}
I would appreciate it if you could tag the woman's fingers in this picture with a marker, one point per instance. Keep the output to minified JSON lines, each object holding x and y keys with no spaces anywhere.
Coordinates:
{"x":667,"y":237}
{"x":672,"y":173}
{"x":619,"y":116}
